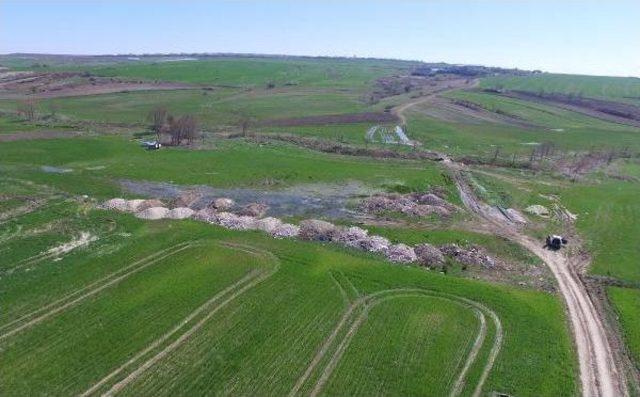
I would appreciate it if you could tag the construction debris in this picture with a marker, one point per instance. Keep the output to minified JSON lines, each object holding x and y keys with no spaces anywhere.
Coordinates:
{"x":429,"y":255}
{"x":537,"y":209}
{"x":285,"y":230}
{"x":472,"y":256}
{"x":400,"y":253}
{"x":222,"y":204}
{"x":153,"y":213}
{"x":187,"y":198}
{"x":180,"y":213}
{"x":256,"y":210}
{"x":317,"y":230}
{"x":414,"y":204}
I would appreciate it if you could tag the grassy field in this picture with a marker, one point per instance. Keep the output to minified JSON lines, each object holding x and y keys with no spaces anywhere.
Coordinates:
{"x":618,"y":88}
{"x":627,"y":304}
{"x":279,"y":322}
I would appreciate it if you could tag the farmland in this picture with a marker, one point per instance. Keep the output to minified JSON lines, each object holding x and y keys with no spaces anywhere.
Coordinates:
{"x":96,"y":300}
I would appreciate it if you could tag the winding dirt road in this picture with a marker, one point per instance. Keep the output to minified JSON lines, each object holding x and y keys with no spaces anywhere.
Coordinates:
{"x":600,"y":375}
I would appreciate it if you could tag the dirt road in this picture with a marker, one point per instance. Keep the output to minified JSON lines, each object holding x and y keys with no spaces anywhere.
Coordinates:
{"x":599,"y":375}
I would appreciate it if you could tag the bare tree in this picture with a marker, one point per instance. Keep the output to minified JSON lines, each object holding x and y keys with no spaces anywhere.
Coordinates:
{"x":245,"y":121}
{"x":27,"y":109}
{"x":190,"y":128}
{"x":158,"y":118}
{"x":183,"y":128}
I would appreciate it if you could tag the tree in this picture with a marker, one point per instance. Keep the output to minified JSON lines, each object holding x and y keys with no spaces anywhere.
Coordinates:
{"x":244,"y":122}
{"x":158,"y":118}
{"x":183,"y":128}
{"x":27,"y":109}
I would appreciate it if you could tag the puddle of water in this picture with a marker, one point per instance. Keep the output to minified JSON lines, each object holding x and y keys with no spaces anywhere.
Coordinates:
{"x":326,"y":200}
{"x":55,"y":170}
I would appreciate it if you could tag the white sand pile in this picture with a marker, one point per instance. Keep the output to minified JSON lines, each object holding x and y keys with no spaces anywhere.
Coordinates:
{"x":351,"y":235}
{"x":285,"y":230}
{"x":400,"y":253}
{"x":84,"y":239}
{"x":428,"y":255}
{"x":372,"y":244}
{"x":268,"y":224}
{"x":222,"y":204}
{"x":206,"y":215}
{"x":317,"y":230}
{"x":180,"y":213}
{"x":118,"y":204}
{"x":134,"y":205}
{"x":153,"y":213}
{"x":255,"y":210}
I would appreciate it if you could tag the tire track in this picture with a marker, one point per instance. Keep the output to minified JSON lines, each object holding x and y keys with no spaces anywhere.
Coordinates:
{"x":249,"y":281}
{"x":366,"y":303}
{"x":94,"y":288}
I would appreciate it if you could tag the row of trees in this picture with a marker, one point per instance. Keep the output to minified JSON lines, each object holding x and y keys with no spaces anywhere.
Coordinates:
{"x":181,"y":129}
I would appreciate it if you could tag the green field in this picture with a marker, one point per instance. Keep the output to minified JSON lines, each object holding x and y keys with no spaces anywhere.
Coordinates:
{"x":618,"y":88}
{"x":627,"y":304}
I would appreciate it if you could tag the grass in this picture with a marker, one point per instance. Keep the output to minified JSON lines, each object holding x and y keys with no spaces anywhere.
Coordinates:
{"x":627,"y":304}
{"x":618,"y":88}
{"x":231,"y":164}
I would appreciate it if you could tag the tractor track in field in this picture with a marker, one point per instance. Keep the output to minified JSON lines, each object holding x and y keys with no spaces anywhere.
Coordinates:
{"x":366,"y":303}
{"x":232,"y":292}
{"x":83,"y":293}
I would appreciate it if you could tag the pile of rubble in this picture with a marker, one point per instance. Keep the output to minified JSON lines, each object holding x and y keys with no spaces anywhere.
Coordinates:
{"x":412,"y":204}
{"x":251,"y":217}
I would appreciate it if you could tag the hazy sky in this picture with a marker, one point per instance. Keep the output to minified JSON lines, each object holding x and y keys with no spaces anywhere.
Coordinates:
{"x":590,"y":37}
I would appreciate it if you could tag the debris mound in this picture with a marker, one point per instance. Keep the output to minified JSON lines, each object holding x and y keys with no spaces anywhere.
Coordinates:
{"x":206,"y":215}
{"x":317,"y":230}
{"x":222,"y":204}
{"x":472,"y":256}
{"x":268,"y":224}
{"x":118,"y":204}
{"x":351,"y":235}
{"x":180,"y":213}
{"x":372,"y":244}
{"x":150,"y":204}
{"x":285,"y":230}
{"x":400,"y":253}
{"x":153,"y":213}
{"x":231,"y":221}
{"x":413,"y":204}
{"x":428,"y":255}
{"x":187,"y":198}
{"x":255,"y":210}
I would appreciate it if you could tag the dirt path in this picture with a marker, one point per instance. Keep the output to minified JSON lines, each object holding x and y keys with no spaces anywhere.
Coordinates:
{"x":78,"y":296}
{"x":364,"y":304}
{"x":599,"y":375}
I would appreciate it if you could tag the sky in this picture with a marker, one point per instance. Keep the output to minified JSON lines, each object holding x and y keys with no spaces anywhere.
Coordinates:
{"x":600,"y":37}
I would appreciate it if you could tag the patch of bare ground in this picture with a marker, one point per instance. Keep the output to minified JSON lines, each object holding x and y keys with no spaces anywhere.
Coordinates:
{"x":62,"y":84}
{"x":617,"y":112}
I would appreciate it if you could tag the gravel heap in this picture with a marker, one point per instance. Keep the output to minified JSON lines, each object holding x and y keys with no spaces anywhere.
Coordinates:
{"x":428,"y":255}
{"x":222,"y":204}
{"x":414,"y":204}
{"x":268,"y":225}
{"x":473,"y":256}
{"x":256,"y":210}
{"x":205,"y":215}
{"x":134,"y":205}
{"x":118,"y":204}
{"x":400,"y":253}
{"x":372,"y":244}
{"x":153,"y":213}
{"x":317,"y":230}
{"x":285,"y":230}
{"x":180,"y":213}
{"x":234,"y":222}
{"x":188,"y":198}
{"x":351,"y":235}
